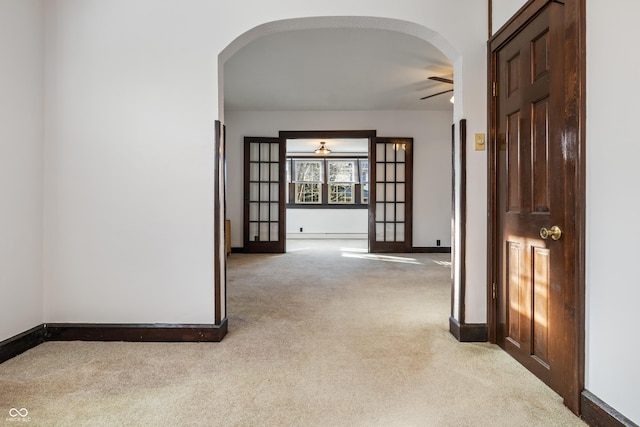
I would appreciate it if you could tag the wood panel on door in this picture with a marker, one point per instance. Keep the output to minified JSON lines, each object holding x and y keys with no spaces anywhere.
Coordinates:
{"x":390,"y":192}
{"x":531,"y":196}
{"x":264,"y":195}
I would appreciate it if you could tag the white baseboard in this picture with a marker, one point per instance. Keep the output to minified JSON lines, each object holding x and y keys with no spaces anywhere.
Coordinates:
{"x":362,"y":236}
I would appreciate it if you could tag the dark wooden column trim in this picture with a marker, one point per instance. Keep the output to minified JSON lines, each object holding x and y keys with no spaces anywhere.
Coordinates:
{"x":245,"y":205}
{"x":453,"y":217}
{"x":462,"y":271}
{"x":492,"y":165}
{"x":468,"y":332}
{"x":217,"y":231}
{"x":225,"y":237}
{"x":282,"y":195}
{"x":458,"y":327}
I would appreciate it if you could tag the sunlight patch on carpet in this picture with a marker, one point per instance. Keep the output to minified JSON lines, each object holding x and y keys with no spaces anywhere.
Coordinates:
{"x":443,"y":263}
{"x":384,"y":258}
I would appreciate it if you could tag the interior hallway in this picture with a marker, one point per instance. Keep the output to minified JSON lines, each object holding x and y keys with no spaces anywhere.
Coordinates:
{"x":325,"y":335}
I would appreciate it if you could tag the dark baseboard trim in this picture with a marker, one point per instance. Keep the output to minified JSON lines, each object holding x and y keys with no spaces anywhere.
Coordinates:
{"x":470,"y":332}
{"x":431,"y":249}
{"x":20,"y":343}
{"x":597,"y":413}
{"x":151,"y":332}
{"x":416,"y":249}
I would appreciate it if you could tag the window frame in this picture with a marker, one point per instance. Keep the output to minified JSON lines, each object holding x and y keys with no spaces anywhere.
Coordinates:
{"x":364,"y":183}
{"x":326,"y":203}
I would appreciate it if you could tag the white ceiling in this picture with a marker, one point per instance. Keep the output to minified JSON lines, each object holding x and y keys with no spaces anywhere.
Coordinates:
{"x":336,"y":145}
{"x":336,"y":69}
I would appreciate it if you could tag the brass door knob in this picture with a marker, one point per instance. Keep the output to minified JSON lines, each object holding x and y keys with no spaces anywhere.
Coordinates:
{"x":555,"y":233}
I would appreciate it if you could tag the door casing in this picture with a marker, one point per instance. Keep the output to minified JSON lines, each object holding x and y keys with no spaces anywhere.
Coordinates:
{"x":406,"y":143}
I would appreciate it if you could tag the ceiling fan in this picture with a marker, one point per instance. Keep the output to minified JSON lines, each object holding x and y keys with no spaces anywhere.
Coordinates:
{"x":441,"y":80}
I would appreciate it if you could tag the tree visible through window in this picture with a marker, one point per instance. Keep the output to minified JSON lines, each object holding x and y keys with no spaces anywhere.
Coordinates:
{"x":308,"y":181}
{"x":341,"y":182}
{"x":342,"y":179}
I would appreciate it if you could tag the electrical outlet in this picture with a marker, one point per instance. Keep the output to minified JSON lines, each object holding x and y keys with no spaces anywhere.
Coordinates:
{"x":437,"y":242}
{"x":301,"y":229}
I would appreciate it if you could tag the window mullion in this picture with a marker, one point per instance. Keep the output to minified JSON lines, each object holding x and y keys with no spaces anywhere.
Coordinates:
{"x":325,"y":183}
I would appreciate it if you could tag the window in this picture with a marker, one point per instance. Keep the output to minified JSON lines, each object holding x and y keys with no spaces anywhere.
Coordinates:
{"x":340,"y":193}
{"x":308,"y":179}
{"x":321,"y":182}
{"x":364,"y":181}
{"x":342,"y":179}
{"x":287,"y":165}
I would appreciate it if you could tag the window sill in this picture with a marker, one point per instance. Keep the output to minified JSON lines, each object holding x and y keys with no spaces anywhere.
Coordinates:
{"x":326,"y":206}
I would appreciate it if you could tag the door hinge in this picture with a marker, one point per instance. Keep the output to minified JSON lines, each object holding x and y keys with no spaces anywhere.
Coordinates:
{"x":493,"y":290}
{"x":494,"y":89}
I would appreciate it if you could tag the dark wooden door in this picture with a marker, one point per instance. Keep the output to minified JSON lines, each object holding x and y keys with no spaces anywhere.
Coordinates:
{"x":532,"y":269}
{"x":390,"y":194}
{"x":264,"y":195}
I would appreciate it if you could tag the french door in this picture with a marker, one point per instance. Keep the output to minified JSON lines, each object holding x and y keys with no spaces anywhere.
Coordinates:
{"x":264,"y":195}
{"x":390,"y":194}
{"x":390,"y":207}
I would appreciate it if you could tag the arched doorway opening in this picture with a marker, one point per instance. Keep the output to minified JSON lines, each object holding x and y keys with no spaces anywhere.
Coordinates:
{"x":273,"y":120}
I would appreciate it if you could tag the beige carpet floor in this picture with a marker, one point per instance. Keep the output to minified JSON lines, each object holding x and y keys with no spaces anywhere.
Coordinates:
{"x":320,"y":336}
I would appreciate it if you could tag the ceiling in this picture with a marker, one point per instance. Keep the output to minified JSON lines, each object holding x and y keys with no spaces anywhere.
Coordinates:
{"x":336,"y":69}
{"x":336,"y":145}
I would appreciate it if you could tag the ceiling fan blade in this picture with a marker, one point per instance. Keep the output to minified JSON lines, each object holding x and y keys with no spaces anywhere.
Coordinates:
{"x":441,"y":79}
{"x":436,"y":94}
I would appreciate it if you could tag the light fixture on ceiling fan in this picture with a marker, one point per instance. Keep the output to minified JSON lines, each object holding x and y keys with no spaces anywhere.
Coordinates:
{"x":322,"y":149}
{"x":441,"y":80}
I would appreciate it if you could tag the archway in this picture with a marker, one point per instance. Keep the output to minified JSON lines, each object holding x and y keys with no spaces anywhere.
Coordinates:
{"x":391,"y":25}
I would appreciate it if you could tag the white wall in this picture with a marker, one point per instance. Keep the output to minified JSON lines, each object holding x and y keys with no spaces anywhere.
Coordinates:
{"x":431,"y":131}
{"x":613,"y":229}
{"x":327,"y":223}
{"x":21,"y":133}
{"x":502,"y":11}
{"x":131,"y":98}
{"x":129,"y":161}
